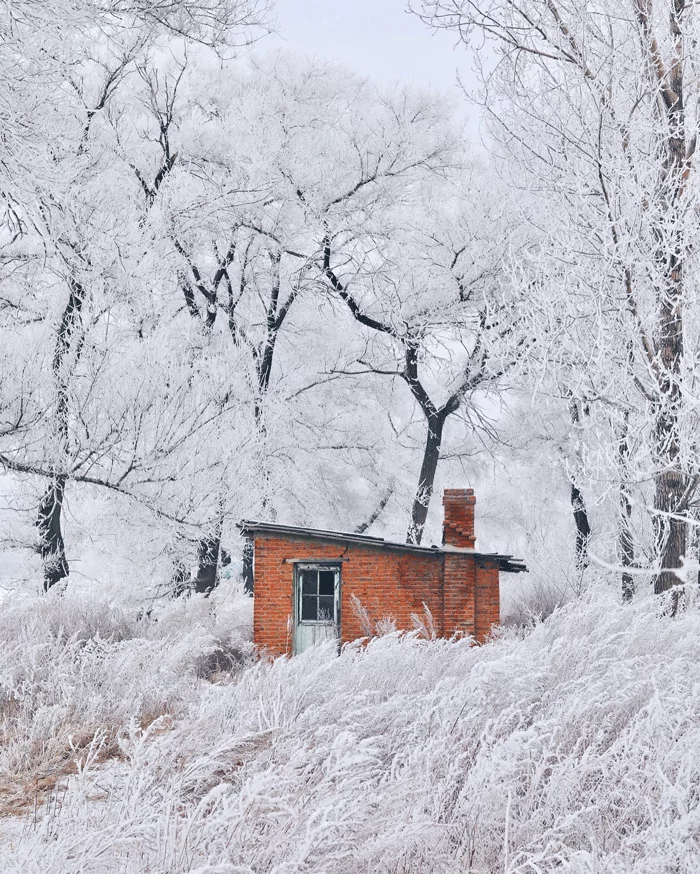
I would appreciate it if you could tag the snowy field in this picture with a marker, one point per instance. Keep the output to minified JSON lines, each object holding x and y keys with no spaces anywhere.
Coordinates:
{"x":255,"y":264}
{"x":157,"y":744}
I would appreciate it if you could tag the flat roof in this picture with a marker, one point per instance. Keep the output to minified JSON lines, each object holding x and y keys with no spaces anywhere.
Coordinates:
{"x":506,"y":563}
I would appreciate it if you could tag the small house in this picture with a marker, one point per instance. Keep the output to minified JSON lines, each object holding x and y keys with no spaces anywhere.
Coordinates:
{"x":308,"y":583}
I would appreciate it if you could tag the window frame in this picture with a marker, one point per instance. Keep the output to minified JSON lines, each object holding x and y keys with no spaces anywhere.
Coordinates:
{"x":332,"y":565}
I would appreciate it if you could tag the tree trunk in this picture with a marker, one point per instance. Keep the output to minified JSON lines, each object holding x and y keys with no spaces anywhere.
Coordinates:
{"x":626,"y":542}
{"x":625,"y":538}
{"x":578,"y":505}
{"x":264,"y":371}
{"x":426,"y":479}
{"x":248,"y":555}
{"x":696,"y":543}
{"x":671,"y":533}
{"x":51,"y":545}
{"x":583,"y":528}
{"x":208,"y":561}
{"x":670,"y":482}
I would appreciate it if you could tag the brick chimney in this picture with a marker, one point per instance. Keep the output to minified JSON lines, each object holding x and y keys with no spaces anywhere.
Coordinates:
{"x":458,"y":527}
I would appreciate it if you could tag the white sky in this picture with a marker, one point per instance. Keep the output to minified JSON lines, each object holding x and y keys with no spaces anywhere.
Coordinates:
{"x":376,"y":38}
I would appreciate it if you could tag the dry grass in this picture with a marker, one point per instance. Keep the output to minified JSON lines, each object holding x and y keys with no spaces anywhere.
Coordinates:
{"x":74,"y":675}
{"x":569,"y":746}
{"x":23,"y":792}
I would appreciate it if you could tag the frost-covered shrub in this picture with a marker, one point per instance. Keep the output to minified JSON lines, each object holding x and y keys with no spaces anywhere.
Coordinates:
{"x":76,"y":667}
{"x":533,"y":602}
{"x":532,"y":598}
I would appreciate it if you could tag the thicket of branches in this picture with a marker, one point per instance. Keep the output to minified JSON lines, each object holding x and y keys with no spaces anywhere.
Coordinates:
{"x":595,"y":111}
{"x":245,"y":285}
{"x":234,"y":288}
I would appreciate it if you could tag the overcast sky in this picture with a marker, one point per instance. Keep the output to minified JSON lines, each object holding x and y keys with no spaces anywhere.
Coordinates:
{"x":377,"y":38}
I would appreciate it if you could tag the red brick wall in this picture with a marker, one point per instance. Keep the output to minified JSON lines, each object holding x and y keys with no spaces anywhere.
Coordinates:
{"x":486,"y":599}
{"x":389,"y":584}
{"x":458,"y":525}
{"x":459,"y":587}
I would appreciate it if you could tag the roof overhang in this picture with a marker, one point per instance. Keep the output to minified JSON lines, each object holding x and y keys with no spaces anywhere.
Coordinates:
{"x":506,"y":563}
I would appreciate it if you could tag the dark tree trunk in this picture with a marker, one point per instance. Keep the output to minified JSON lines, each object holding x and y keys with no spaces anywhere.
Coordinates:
{"x":265,"y":370}
{"x":248,"y":575}
{"x":671,"y":533}
{"x":51,"y":545}
{"x":66,"y":354}
{"x":578,"y":504}
{"x":625,"y":538}
{"x":583,"y":528}
{"x":386,"y":497}
{"x":208,"y":562}
{"x":696,"y":542}
{"x":426,"y":479}
{"x":670,"y":482}
{"x":626,"y":544}
{"x":264,"y":355}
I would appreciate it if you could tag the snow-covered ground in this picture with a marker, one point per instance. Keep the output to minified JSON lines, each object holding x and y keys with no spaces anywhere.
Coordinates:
{"x":156,"y":744}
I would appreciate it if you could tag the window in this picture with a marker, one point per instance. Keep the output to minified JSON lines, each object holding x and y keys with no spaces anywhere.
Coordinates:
{"x":317,"y":589}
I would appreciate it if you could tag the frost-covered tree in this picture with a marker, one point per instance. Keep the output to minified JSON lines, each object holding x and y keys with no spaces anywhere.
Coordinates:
{"x":374,"y":219}
{"x":213,"y":156}
{"x":224,"y":290}
{"x":598,"y":108}
{"x":254,"y":222}
{"x":68,"y":231}
{"x":432,"y":289}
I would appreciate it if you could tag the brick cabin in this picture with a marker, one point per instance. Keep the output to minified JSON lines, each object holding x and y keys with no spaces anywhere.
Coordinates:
{"x":304,"y":581}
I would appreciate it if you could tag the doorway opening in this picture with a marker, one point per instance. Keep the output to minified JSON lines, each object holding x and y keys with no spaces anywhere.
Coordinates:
{"x":316,"y":604}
